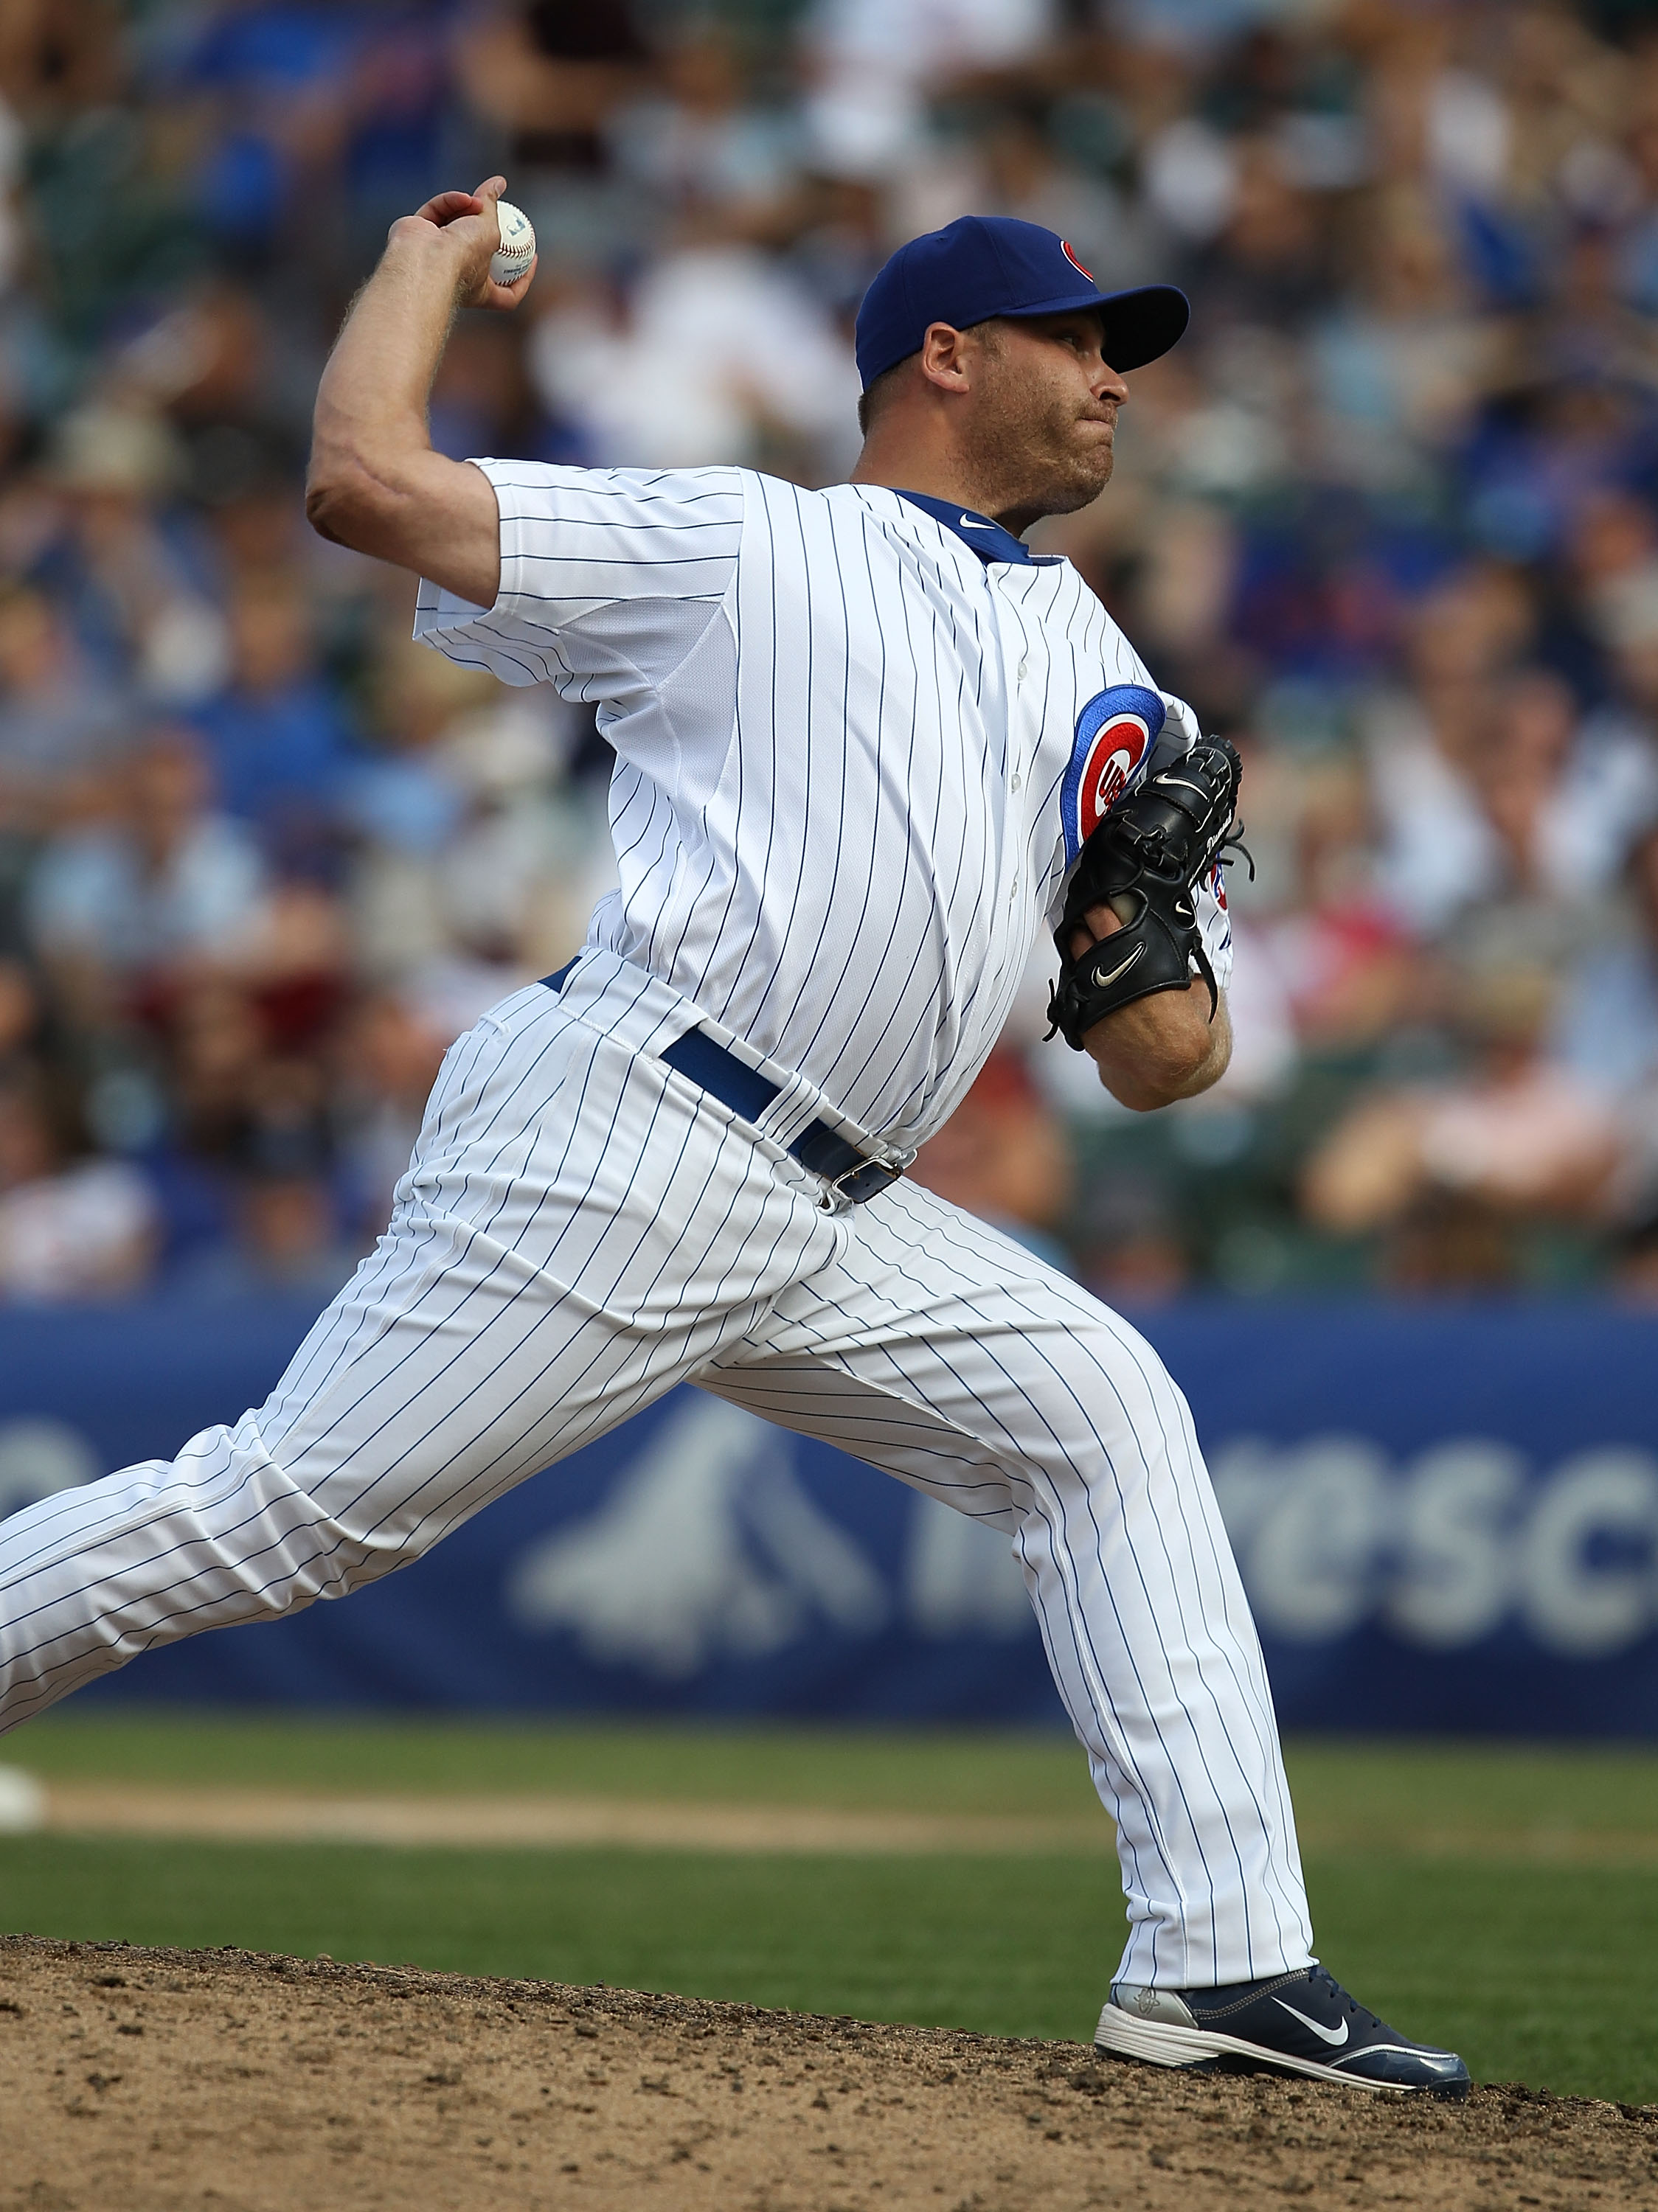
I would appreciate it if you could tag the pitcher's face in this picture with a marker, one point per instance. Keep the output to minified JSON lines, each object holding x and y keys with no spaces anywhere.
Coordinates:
{"x":1042,"y":413}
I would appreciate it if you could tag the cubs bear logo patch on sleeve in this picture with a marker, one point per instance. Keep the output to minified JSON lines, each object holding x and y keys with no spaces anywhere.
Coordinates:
{"x":1115,"y":732}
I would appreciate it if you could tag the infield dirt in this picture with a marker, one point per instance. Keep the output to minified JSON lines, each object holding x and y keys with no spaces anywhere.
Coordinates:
{"x":144,"y":2081}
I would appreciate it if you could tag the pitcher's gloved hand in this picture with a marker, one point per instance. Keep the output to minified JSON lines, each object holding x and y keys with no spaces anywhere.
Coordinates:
{"x":1145,"y":861}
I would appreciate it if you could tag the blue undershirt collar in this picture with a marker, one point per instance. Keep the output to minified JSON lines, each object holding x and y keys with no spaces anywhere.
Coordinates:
{"x":987,"y":538}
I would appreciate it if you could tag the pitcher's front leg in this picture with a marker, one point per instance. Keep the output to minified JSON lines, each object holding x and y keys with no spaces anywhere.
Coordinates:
{"x":935,"y":1347}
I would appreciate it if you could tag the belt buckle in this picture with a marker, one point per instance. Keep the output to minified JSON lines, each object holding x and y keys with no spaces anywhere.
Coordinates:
{"x":864,"y":1180}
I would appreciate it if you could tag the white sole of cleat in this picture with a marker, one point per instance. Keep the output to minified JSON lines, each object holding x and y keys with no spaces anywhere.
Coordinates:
{"x":1159,"y":2043}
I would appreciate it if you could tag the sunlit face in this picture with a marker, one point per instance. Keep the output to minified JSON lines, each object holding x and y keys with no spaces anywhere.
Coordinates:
{"x":1042,"y":420}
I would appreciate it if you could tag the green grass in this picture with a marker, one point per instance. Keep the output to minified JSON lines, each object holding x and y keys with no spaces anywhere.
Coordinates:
{"x":1345,"y":1785}
{"x":979,"y":1770}
{"x":1013,"y":1946}
{"x":1538,"y":1973}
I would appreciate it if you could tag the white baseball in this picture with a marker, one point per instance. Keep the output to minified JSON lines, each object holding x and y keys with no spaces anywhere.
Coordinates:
{"x":517,"y":248}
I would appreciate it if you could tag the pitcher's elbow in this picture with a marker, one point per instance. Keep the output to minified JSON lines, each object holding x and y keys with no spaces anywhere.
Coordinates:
{"x":1162,"y":1061}
{"x":351,"y":484}
{"x":337,"y":502}
{"x":1142,"y":1092}
{"x":320,"y":508}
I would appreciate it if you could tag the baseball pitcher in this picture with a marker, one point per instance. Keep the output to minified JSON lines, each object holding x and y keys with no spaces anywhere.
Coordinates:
{"x":867,"y":745}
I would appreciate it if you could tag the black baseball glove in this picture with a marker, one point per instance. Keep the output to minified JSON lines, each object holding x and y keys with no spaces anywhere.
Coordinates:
{"x":1144,"y":861}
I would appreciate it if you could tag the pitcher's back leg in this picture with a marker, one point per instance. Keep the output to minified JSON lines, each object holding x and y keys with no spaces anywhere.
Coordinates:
{"x":543,"y":1278}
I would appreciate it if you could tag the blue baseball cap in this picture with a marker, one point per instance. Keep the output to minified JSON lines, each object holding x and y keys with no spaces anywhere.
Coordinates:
{"x":982,"y":266}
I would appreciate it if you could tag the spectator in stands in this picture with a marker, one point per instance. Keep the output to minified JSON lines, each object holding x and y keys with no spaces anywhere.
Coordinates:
{"x":216,"y":1046}
{"x":62,"y":731}
{"x":19,"y":1011}
{"x":1348,"y":964}
{"x":284,"y":1232}
{"x":513,"y":886}
{"x":1128,"y":1249}
{"x":71,"y":1227}
{"x":551,"y":75}
{"x":388,"y":1060}
{"x":1403,"y":361}
{"x":1270,"y":267}
{"x":1605,"y":1033}
{"x":276,"y":736}
{"x":167,"y":889}
{"x":1444,"y":1170}
{"x":484,"y":401}
{"x":1564,"y":801}
{"x":267,"y":89}
{"x":874,"y":62}
{"x":1437,"y":849}
{"x":121,"y":563}
{"x":1605,"y":1024}
{"x":761,"y":375}
{"x":699,"y":141}
{"x":284,"y":1242}
{"x":1389,"y":517}
{"x":1002,"y":1154}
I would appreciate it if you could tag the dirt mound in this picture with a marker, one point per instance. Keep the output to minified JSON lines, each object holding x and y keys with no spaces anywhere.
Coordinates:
{"x":155,"y":2080}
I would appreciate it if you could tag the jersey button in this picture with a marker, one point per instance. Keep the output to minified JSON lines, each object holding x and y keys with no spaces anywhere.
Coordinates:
{"x":1017,"y":783}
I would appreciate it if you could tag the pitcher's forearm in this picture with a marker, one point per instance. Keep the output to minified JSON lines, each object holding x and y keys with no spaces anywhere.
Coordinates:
{"x":371,"y":402}
{"x":374,"y":482}
{"x":370,"y":446}
{"x":1160,"y":1048}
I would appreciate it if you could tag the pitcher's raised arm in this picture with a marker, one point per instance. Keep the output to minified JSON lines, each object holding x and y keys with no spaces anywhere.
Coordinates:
{"x":374,"y":482}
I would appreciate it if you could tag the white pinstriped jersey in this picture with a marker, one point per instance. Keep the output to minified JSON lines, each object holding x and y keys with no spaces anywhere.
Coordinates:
{"x":855,"y":759}
{"x":844,"y":873}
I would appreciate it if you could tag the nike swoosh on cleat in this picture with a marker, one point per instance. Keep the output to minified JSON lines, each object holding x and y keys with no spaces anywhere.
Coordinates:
{"x":1336,"y":2036}
{"x":1103,"y":982}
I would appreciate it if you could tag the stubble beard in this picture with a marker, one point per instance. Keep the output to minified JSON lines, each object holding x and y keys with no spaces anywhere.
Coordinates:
{"x":1033,"y":459}
{"x":1088,"y":476}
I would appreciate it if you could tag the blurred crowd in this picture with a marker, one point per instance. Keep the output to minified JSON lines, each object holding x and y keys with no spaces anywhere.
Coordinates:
{"x":1388,"y":517}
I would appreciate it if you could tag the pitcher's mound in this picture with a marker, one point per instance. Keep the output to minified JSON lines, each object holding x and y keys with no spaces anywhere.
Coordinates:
{"x":154,"y":2080}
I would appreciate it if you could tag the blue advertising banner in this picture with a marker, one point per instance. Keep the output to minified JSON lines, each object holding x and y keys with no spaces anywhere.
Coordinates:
{"x":1446,"y":1519}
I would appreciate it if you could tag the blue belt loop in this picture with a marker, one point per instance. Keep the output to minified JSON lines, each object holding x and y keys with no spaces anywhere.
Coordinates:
{"x":850,"y":1174}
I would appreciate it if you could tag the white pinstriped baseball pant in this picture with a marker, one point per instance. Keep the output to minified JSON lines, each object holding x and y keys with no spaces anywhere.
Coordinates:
{"x":580,"y":1229}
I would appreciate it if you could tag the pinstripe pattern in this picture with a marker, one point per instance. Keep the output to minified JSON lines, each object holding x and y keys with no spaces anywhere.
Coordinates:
{"x":938,"y":1349}
{"x":544,"y":1276}
{"x":841,"y":739}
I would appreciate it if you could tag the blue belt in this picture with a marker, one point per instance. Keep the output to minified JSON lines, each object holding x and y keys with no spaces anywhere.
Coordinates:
{"x":850,"y":1174}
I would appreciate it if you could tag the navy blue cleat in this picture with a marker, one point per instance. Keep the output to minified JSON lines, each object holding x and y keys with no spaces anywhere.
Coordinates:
{"x":1302,"y":2023}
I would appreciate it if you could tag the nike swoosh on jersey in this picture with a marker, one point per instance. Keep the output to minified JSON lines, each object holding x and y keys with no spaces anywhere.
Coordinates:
{"x":1103,"y":982}
{"x":971,"y":522}
{"x":1336,"y":2036}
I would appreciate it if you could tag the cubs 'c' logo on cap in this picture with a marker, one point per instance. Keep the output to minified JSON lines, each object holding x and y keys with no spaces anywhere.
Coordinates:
{"x":1065,"y":247}
{"x":1115,"y":731}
